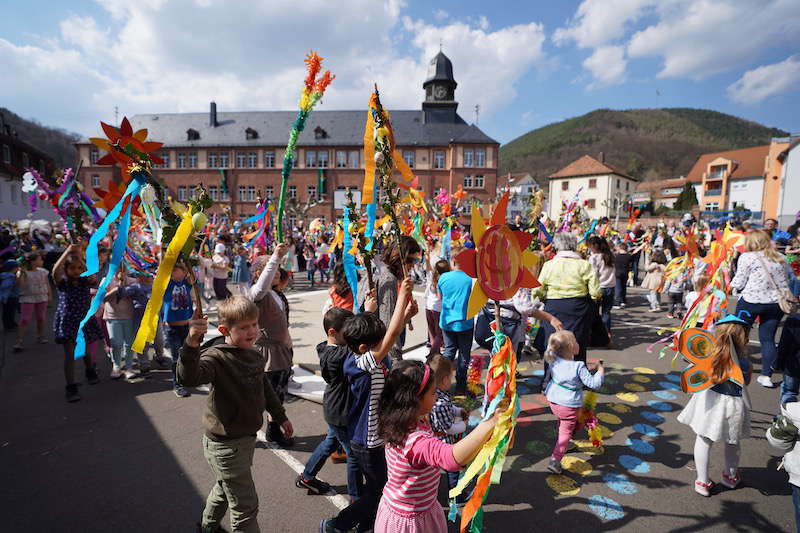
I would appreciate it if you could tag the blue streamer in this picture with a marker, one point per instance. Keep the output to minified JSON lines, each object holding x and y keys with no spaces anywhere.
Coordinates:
{"x":590,"y":231}
{"x":543,"y":229}
{"x":117,"y":253}
{"x":349,"y":261}
{"x":258,"y":216}
{"x":446,"y":240}
{"x":372,"y":210}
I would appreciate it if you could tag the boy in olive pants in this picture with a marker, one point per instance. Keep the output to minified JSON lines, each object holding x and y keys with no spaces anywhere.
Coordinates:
{"x":234,"y":412}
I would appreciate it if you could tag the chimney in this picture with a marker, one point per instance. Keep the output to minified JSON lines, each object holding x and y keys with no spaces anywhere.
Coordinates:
{"x":212,"y":117}
{"x":602,"y":154}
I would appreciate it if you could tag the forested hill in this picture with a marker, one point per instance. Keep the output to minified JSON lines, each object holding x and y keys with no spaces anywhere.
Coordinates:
{"x":645,"y":143}
{"x":55,"y":142}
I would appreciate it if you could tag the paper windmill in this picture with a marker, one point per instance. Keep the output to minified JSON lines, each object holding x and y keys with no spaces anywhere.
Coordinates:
{"x":109,"y":198}
{"x":500,"y":261}
{"x":414,"y":196}
{"x":460,"y":194}
{"x":126,"y":139}
{"x":696,"y":346}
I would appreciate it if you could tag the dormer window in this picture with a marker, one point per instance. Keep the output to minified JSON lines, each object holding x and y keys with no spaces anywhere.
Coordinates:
{"x":319,"y":133}
{"x":192,"y":135}
{"x":250,"y":134}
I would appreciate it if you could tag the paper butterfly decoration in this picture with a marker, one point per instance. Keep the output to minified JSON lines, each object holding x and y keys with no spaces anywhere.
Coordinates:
{"x":696,"y":346}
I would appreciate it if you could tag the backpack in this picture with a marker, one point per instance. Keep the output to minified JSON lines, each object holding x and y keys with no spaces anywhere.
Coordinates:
{"x":486,"y":316}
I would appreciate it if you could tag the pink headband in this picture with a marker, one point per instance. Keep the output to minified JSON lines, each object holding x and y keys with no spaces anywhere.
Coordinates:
{"x":424,"y":379}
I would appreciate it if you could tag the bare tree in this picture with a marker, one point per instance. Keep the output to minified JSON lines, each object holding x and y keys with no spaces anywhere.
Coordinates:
{"x":300,"y":210}
{"x":616,"y":203}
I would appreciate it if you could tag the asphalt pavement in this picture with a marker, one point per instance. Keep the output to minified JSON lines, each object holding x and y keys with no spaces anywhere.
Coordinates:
{"x":128,"y":457}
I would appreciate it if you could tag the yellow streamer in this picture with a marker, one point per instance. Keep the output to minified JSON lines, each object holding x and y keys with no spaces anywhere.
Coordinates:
{"x":368,"y":189}
{"x":147,"y":331}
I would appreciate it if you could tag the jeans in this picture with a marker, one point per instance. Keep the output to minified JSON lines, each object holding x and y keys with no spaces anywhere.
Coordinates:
{"x":434,"y":331}
{"x":361,"y":512}
{"x":310,"y":274}
{"x":796,"y":502}
{"x":790,"y":388}
{"x":121,"y":332}
{"x":461,"y":342}
{"x":635,"y":269}
{"x":175,"y":337}
{"x":652,"y":298}
{"x":335,"y":436}
{"x":621,"y":290}
{"x":221,"y":291}
{"x":231,"y":462}
{"x":606,"y":303}
{"x":769,"y":316}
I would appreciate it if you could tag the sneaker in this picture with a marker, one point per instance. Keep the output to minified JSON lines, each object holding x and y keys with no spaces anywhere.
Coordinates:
{"x":181,"y":392}
{"x":161,"y":362}
{"x":326,"y":526}
{"x":115,"y":372}
{"x":554,"y":466}
{"x":91,"y":376}
{"x":622,"y":305}
{"x":72,"y":393}
{"x":18,"y":347}
{"x":617,"y":307}
{"x":704,"y":489}
{"x":42,"y":340}
{"x":670,"y":315}
{"x":203,"y":388}
{"x":731,"y":482}
{"x":314,"y":485}
{"x":130,"y":373}
{"x":653,"y":310}
{"x":765,"y":381}
{"x":218,"y":529}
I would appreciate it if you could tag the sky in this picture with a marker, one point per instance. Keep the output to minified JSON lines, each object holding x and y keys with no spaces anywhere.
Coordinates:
{"x":525,"y":63}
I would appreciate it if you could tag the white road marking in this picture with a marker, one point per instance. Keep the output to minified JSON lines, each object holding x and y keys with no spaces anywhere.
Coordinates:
{"x":613,"y":321}
{"x":339,"y":500}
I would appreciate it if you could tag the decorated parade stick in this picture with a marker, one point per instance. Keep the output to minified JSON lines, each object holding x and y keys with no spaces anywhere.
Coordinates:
{"x":358,"y":243}
{"x":312,"y":93}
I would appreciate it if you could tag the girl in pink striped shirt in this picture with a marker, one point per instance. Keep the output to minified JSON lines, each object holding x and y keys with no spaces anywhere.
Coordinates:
{"x":413,"y":453}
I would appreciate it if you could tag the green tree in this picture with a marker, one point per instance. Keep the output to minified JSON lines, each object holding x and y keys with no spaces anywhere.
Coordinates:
{"x":687,"y":198}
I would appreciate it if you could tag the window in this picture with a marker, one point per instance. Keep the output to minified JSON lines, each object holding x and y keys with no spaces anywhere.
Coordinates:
{"x":468,"y":181}
{"x":353,"y":159}
{"x":341,"y":159}
{"x":618,"y":183}
{"x":252,"y":195}
{"x":269,"y":191}
{"x":468,"y":157}
{"x":480,"y":157}
{"x":718,"y":172}
{"x":590,"y":203}
{"x":95,"y":180}
{"x":183,"y":193}
{"x":224,"y":194}
{"x":319,"y":133}
{"x":250,"y":134}
{"x":438,"y":159}
{"x":712,"y":206}
{"x":627,"y":185}
{"x":312,"y":191}
{"x":252,"y":159}
{"x":26,"y":160}
{"x":479,"y":182}
{"x":192,"y":159}
{"x":564,"y":185}
{"x":212,"y":160}
{"x":311,"y":159}
{"x":223,"y":159}
{"x":593,"y":183}
{"x":165,"y":157}
{"x":322,"y":159}
{"x":240,"y":159}
{"x":269,"y":159}
{"x":408,"y":155}
{"x":7,"y":153}
{"x":293,"y":191}
{"x":192,"y":135}
{"x":292,"y":222}
{"x":181,"y":159}
{"x":213,"y":192}
{"x":242,"y":193}
{"x":94,"y":155}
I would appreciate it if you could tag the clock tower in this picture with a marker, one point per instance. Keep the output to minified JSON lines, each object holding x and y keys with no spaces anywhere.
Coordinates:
{"x":440,"y":87}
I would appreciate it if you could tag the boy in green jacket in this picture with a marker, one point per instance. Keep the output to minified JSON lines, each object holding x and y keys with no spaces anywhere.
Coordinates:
{"x":234,"y":413}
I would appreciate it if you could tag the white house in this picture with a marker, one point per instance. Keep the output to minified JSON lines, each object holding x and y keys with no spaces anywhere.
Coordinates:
{"x":520,"y":188}
{"x":789,"y":201}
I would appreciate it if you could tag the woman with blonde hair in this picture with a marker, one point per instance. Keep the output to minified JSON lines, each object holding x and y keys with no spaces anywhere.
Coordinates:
{"x":761,"y":273}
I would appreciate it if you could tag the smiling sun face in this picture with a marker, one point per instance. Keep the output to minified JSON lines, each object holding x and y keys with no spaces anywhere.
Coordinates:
{"x":500,"y":261}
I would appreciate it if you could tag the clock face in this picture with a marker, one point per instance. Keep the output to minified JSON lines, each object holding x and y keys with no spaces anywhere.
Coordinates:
{"x":440,"y":92}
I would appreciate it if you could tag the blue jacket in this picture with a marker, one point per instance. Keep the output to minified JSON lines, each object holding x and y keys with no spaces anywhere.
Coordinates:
{"x":359,"y":370}
{"x":567,"y":379}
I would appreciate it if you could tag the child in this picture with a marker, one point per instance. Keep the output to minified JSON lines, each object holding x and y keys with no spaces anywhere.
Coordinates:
{"x":564,"y":390}
{"x":220,"y":266}
{"x":311,"y":262}
{"x":74,"y":299}
{"x":623,"y":261}
{"x":783,"y":435}
{"x":177,"y":309}
{"x":9,"y":294}
{"x":139,"y":292}
{"x":414,"y":455}
{"x":433,"y":301}
{"x":700,"y":283}
{"x":241,"y":270}
{"x":339,"y":291}
{"x":370,"y":341}
{"x":448,"y":422}
{"x":721,"y":412}
{"x":233,"y":415}
{"x":275,"y":341}
{"x":674,"y":288}
{"x":118,"y":315}
{"x":652,"y":280}
{"x":34,"y":293}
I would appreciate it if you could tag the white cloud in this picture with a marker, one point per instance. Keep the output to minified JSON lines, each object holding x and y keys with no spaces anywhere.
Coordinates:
{"x":607,"y":65}
{"x":765,"y":81}
{"x":441,"y":14}
{"x":597,"y":22}
{"x":177,"y":55}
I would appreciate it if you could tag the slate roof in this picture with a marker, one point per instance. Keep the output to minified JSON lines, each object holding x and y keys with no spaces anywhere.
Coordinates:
{"x":588,"y":166}
{"x":750,"y":162}
{"x":343,"y":128}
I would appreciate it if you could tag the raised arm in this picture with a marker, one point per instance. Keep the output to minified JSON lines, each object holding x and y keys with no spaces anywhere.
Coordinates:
{"x":404,"y":309}
{"x":264,"y":282}
{"x":58,"y":268}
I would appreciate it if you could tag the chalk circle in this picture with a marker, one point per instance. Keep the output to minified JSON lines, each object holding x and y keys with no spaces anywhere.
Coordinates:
{"x":634,"y":464}
{"x":640,"y":446}
{"x":537,"y":447}
{"x":641,"y":379}
{"x":616,"y":366}
{"x":523,"y":389}
{"x":669,"y":385}
{"x":619,"y":483}
{"x":659,"y":406}
{"x":576,"y":466}
{"x":516,"y":463}
{"x":607,"y":433}
{"x":627,"y":397}
{"x":664,"y":395}
{"x":650,"y":416}
{"x":643,"y":370}
{"x":539,"y":372}
{"x":673,"y":377}
{"x":563,"y":485}
{"x":619,"y":408}
{"x":608,"y":418}
{"x":606,"y":508}
{"x":610,"y":380}
{"x":647,"y":429}
{"x":635,"y":387}
{"x":586,"y":446}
